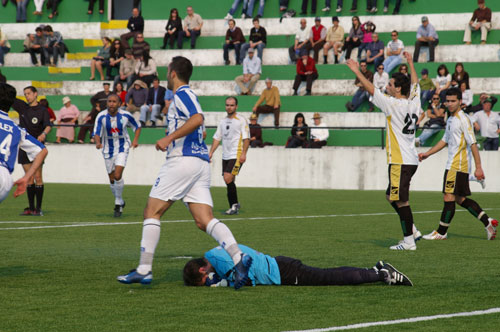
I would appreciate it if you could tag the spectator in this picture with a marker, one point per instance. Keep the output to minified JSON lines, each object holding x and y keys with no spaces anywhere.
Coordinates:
{"x":426,"y":36}
{"x":375,"y":51}
{"x":317,"y":38}
{"x":381,"y":78}
{"x":3,"y":79}
{"x":396,"y":8}
{"x":482,"y":99}
{"x":139,"y":95}
{"x":443,"y":81}
{"x":192,"y":28}
{"x":101,"y":60}
{"x":271,"y":96}
{"x":354,"y":38}
{"x":145,"y":69}
{"x":127,"y":69}
{"x":255,"y":132}
{"x":35,"y":46}
{"x":301,"y":39}
{"x":174,"y":26}
{"x":354,"y":7}
{"x":21,"y":10}
{"x":489,"y":125}
{"x":467,"y":95}
{"x":394,"y":52}
{"x":256,"y":40}
{"x":91,"y":6}
{"x":169,"y":96}
{"x":120,"y":92}
{"x":68,"y":115}
{"x":334,"y":39}
{"x":135,"y":25}
{"x":306,"y":71}
{"x":304,"y":7}
{"x":38,"y":7}
{"x":481,"y":19}
{"x":139,"y":46}
{"x":116,"y":56}
{"x":361,"y":94}
{"x":319,"y":134}
{"x":4,"y":47}
{"x":299,"y":132}
{"x":234,"y":40}
{"x":427,"y":87}
{"x":45,"y":103}
{"x":250,"y":6}
{"x":460,"y":74}
{"x":252,"y":70}
{"x":54,"y":45}
{"x":155,"y":103}
{"x":368,"y":29}
{"x":233,"y":8}
{"x":436,"y":115}
{"x":52,"y":5}
{"x":403,"y":69}
{"x":99,"y":103}
{"x":283,"y":5}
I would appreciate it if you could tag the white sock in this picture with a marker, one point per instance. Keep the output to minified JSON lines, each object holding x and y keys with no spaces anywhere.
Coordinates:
{"x":409,"y":240}
{"x":222,"y":234}
{"x":150,"y":238}
{"x":414,"y":229}
{"x":119,"y":184}
{"x":112,"y":186}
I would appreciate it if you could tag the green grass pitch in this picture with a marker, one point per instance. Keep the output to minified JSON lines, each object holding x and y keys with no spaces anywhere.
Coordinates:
{"x":63,"y":279}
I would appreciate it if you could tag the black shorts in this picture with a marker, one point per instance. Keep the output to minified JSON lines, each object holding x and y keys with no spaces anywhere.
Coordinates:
{"x":399,"y":182}
{"x":231,"y":166}
{"x":22,"y":158}
{"x":456,"y":183}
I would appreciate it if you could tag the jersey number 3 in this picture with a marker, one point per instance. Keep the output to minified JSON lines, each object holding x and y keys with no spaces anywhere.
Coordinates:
{"x":410,"y":122}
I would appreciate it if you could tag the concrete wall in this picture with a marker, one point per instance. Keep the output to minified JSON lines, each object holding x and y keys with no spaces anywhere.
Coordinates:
{"x":328,"y":168}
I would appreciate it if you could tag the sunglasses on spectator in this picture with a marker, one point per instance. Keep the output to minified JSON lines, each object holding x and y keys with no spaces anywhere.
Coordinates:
{"x":380,"y":68}
{"x":435,"y":98}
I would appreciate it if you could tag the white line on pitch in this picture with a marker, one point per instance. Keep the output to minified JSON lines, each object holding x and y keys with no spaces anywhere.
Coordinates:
{"x":404,"y":321}
{"x":26,"y":222}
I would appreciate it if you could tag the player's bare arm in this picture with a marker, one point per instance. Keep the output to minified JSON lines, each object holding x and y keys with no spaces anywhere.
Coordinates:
{"x":215,"y":145}
{"x":135,"y":141}
{"x":413,"y":72}
{"x":243,"y":156}
{"x":97,"y":140}
{"x":22,"y":183}
{"x":436,"y":148}
{"x":191,"y":124}
{"x":354,"y":67}
{"x":477,"y":160}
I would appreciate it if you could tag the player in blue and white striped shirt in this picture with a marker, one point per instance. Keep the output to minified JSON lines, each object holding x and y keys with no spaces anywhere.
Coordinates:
{"x":12,"y":138}
{"x":111,"y":125}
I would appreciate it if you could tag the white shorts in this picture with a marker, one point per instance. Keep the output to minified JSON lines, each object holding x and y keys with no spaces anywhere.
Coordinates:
{"x":117,"y":160}
{"x":6,"y":183}
{"x":186,"y":178}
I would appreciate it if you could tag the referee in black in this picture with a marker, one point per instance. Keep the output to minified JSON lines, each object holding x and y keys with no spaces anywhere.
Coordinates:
{"x":36,"y":120}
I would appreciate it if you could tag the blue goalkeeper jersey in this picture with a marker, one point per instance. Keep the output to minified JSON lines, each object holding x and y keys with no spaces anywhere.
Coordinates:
{"x":264,"y":269}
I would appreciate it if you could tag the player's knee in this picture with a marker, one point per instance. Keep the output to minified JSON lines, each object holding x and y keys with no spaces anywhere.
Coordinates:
{"x":228,"y":178}
{"x":459,"y":199}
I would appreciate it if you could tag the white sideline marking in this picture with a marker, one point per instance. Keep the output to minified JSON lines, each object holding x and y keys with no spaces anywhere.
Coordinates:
{"x":26,"y":222}
{"x":90,"y":224}
{"x":405,"y":320}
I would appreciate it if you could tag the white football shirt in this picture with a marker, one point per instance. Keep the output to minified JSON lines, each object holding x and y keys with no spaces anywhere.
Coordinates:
{"x":232,"y":132}
{"x":459,"y":136}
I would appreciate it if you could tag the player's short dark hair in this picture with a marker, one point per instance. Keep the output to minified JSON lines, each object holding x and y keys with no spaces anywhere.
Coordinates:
{"x":31,"y":87}
{"x":255,"y":19}
{"x":7,"y":96}
{"x":234,"y":98}
{"x":116,"y":96}
{"x":454,"y":92}
{"x":191,"y":273}
{"x":182,"y":67}
{"x":402,"y":81}
{"x":47,"y":28}
{"x":38,"y":29}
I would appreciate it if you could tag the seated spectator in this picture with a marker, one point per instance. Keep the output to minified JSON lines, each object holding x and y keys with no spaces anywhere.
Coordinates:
{"x":394,"y":52}
{"x":299,"y":132}
{"x":234,"y":7}
{"x":361,"y":94}
{"x":174,"y":26}
{"x":443,"y":81}
{"x":467,"y":95}
{"x":21,"y":10}
{"x":4,"y":47}
{"x":459,"y":75}
{"x":135,"y":25}
{"x":271,"y":96}
{"x":301,"y":39}
{"x":368,"y":29}
{"x":306,"y":72}
{"x":38,"y":7}
{"x":45,"y":103}
{"x":155,"y":103}
{"x":99,"y":102}
{"x":319,"y":134}
{"x":192,"y":28}
{"x":488,"y":123}
{"x":120,"y":92}
{"x":317,"y":38}
{"x":116,"y":56}
{"x":127,"y":69}
{"x":101,"y":60}
{"x":334,"y":39}
{"x":283,"y":5}
{"x":481,"y":20}
{"x":252,"y":70}
{"x":482,"y":99}
{"x":169,"y":96}
{"x":396,"y":8}
{"x":90,"y":10}
{"x":375,"y":51}
{"x":234,"y":40}
{"x":139,"y":46}
{"x":68,"y":115}
{"x":35,"y":46}
{"x":354,"y":7}
{"x":436,"y":115}
{"x":255,"y":132}
{"x":426,"y":36}
{"x":145,"y":69}
{"x":427,"y":87}
{"x":54,"y":45}
{"x":354,"y":38}
{"x":52,"y":5}
{"x":260,"y":11}
{"x":137,"y":96}
{"x":304,"y":7}
{"x":380,"y":78}
{"x":256,"y":40}
{"x":403,"y":69}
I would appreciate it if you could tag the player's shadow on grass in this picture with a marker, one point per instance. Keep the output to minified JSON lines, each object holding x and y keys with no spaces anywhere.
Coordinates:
{"x":12,"y":271}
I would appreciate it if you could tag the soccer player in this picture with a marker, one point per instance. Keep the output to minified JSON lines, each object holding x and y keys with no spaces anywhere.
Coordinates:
{"x":459,"y":136}
{"x":401,"y":107}
{"x":111,"y":124}
{"x":234,"y":133}
{"x":185,"y":175}
{"x":12,"y":138}
{"x":215,"y":270}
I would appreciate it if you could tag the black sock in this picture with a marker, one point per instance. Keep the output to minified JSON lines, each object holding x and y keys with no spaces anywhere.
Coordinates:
{"x":232,"y":195}
{"x":39,"y":197}
{"x":31,"y":196}
{"x":336,"y":57}
{"x":406,"y":218}
{"x":475,"y":210}
{"x":325,"y":58}
{"x":446,"y":216}
{"x":395,"y":207}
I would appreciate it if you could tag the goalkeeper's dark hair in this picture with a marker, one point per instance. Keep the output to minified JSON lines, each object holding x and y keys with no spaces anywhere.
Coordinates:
{"x":191,"y":273}
{"x":402,"y":81}
{"x":454,"y":92}
{"x":8,"y":96}
{"x":182,"y":67}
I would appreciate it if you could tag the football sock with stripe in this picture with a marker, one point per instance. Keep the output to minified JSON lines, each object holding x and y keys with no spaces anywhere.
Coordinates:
{"x":119,"y":184}
{"x":223,"y":235}
{"x":446,"y":217}
{"x":232,"y":195}
{"x":150,"y":238}
{"x":39,"y":197}
{"x":406,"y":219}
{"x":31,"y":196}
{"x":474,"y":209}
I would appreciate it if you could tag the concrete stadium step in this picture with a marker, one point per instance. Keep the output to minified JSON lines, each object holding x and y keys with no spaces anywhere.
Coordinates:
{"x":69,"y":30}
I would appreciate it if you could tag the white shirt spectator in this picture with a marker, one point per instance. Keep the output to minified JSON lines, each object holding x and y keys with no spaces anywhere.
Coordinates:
{"x":487,"y":124}
{"x":302,"y":35}
{"x":467,"y":97}
{"x":441,"y":81}
{"x":252,"y":66}
{"x":396,"y":45}
{"x":381,"y":81}
{"x":319,"y":133}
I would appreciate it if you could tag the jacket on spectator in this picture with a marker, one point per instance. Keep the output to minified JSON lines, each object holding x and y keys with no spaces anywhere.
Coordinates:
{"x":139,"y":97}
{"x":127,"y":66}
{"x":235,"y":36}
{"x":160,"y":96}
{"x":139,"y":47}
{"x":135,"y":24}
{"x":258,"y":35}
{"x":310,"y":66}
